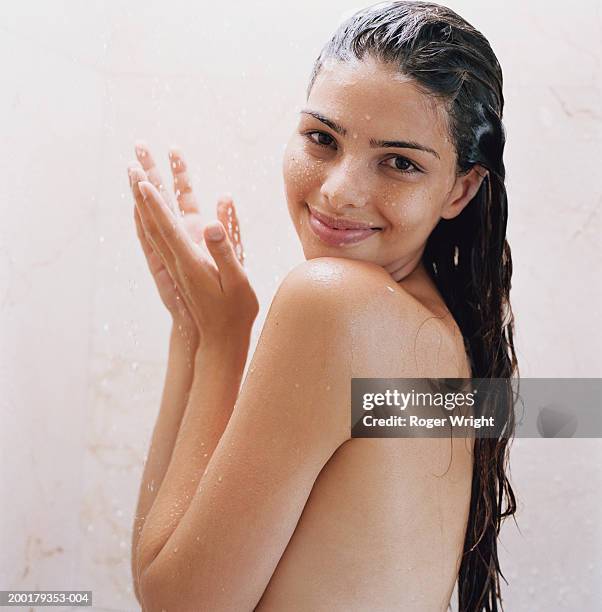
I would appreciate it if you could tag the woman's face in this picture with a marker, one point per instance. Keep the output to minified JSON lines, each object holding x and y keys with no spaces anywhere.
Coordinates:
{"x":341,"y":162}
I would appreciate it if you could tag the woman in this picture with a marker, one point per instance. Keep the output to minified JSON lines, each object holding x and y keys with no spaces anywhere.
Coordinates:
{"x":395,"y":184}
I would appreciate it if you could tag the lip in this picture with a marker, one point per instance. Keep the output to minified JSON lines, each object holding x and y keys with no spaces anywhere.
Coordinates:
{"x":339,"y":224}
{"x":337,"y":237}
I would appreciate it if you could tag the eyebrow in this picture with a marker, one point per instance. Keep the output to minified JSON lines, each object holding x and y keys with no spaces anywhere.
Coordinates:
{"x":400,"y":144}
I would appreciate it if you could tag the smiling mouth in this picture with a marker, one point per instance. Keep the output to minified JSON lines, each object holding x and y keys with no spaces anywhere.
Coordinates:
{"x":341,"y":225}
{"x":337,"y":237}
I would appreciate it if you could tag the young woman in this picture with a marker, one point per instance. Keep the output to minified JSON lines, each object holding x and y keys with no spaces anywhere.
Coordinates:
{"x":257,"y":498}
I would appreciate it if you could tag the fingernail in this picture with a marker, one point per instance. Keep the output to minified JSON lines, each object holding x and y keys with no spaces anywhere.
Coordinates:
{"x":215,"y":232}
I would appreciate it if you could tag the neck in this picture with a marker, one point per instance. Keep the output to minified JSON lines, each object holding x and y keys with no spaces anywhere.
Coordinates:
{"x":405,"y":270}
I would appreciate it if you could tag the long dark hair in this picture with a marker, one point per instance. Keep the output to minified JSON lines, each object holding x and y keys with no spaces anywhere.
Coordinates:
{"x":467,"y":257}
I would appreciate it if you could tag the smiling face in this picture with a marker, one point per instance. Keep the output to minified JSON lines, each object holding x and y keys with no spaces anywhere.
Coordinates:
{"x":370,"y":148}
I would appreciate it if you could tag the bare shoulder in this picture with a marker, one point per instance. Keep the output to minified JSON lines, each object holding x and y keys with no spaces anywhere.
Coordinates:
{"x":384,"y":329}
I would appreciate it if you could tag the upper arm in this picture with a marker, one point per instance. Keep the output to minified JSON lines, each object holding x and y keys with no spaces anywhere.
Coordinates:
{"x":330,"y":320}
{"x":290,"y":417}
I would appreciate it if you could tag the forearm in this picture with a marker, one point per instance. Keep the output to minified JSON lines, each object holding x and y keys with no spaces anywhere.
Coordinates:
{"x":178,"y":380}
{"x":217,"y":376}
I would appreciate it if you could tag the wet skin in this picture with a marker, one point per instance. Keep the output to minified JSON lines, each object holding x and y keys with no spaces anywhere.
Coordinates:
{"x":410,"y":498}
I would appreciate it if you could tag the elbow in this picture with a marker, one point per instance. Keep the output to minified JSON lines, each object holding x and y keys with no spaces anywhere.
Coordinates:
{"x":153,"y":591}
{"x":159,"y":593}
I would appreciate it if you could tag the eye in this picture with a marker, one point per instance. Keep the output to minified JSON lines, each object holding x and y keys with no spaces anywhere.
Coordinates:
{"x":321,"y":135}
{"x":399,"y":159}
{"x":404,"y":162}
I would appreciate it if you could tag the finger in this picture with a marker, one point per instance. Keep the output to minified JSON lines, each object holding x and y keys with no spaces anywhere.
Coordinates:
{"x":171,"y":231}
{"x":151,"y":227}
{"x":226,"y":213}
{"x":136,"y":175}
{"x":219,"y":245}
{"x":146,"y":246}
{"x":152,"y":172}
{"x":181,"y":182}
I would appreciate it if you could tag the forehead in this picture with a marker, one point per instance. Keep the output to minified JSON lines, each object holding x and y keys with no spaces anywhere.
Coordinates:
{"x":372,"y":97}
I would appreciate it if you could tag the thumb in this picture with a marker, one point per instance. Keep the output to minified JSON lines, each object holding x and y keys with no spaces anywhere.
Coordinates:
{"x":222,"y":251}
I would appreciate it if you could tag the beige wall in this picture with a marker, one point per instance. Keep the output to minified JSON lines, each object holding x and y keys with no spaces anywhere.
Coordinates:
{"x":84,"y":337}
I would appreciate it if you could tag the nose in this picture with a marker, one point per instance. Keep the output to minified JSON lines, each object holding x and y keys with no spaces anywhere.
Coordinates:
{"x":345,"y":185}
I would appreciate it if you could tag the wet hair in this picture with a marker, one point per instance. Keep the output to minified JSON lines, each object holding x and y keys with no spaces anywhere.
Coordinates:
{"x":468,"y":257}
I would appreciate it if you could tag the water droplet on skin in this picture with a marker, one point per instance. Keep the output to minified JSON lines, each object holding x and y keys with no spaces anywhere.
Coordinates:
{"x":205,"y":454}
{"x":297,"y":385}
{"x":202,"y":444}
{"x":175,"y":550}
{"x":327,"y":387}
{"x":391,"y":289}
{"x":219,"y":479}
{"x":198,"y":538}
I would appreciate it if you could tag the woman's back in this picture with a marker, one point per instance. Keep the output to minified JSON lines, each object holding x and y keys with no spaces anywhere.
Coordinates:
{"x":384,"y":525}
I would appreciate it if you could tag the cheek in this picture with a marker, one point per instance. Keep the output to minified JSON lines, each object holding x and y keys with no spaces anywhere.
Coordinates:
{"x":410,"y":211}
{"x":301,"y":173}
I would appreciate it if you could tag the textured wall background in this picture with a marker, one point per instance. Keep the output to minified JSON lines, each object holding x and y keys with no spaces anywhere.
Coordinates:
{"x":84,"y":337}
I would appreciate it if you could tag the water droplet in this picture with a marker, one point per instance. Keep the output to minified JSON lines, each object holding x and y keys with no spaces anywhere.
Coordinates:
{"x":327,"y":387}
{"x":205,"y":454}
{"x":297,"y":385}
{"x":175,"y":549}
{"x":390,"y":289}
{"x":219,"y":479}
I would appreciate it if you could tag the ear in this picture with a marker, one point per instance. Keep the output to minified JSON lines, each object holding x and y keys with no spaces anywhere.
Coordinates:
{"x":463,"y":191}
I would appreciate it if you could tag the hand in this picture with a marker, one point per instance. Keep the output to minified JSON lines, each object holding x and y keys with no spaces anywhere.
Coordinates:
{"x":216,"y":300}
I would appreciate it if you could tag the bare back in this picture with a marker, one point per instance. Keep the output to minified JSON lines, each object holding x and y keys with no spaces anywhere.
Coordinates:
{"x":384,"y":525}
